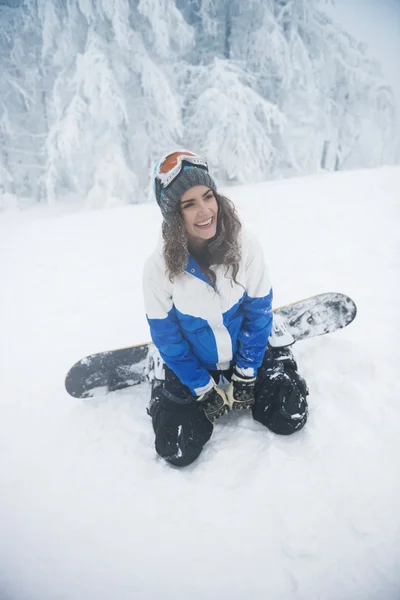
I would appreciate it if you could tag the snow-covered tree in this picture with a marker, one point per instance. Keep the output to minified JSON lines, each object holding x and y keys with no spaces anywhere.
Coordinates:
{"x":91,"y":93}
{"x":333,"y":92}
{"x":317,"y":77}
{"x":230,"y":122}
{"x":23,"y":126}
{"x":112,"y":121}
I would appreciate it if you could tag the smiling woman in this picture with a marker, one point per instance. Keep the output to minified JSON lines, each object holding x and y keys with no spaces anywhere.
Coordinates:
{"x":208,"y":300}
{"x":199,"y":209}
{"x":187,"y":197}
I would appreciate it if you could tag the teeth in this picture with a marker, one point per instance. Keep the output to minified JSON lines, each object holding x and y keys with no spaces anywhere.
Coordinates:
{"x":205,"y":222}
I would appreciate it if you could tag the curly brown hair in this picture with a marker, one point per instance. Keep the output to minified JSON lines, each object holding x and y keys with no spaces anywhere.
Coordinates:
{"x":222,"y":249}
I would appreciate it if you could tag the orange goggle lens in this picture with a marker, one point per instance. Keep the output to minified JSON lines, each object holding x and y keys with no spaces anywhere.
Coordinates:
{"x":172,"y":161}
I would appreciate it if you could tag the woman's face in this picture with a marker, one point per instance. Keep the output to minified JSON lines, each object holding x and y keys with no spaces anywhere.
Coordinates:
{"x":199,"y":211}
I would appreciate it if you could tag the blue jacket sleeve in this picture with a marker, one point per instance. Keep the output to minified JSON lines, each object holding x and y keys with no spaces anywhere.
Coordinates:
{"x":166,"y":332}
{"x":257,"y":323}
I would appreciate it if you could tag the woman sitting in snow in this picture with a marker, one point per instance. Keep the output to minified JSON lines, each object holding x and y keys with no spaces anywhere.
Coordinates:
{"x":208,"y":301}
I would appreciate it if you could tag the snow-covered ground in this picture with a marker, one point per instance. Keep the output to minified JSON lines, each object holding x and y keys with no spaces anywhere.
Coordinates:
{"x":87,"y":510}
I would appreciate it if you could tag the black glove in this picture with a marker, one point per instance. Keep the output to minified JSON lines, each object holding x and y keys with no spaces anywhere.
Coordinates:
{"x":241,"y":391}
{"x":214,"y":403}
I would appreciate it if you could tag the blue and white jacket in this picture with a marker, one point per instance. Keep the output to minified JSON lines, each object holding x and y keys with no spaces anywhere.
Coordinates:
{"x":198,"y":328}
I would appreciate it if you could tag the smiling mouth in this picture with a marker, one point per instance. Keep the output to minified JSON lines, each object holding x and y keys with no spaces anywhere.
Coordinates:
{"x":205,"y":224}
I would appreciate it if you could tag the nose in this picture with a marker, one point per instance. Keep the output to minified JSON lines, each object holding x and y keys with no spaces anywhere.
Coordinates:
{"x":203,"y":208}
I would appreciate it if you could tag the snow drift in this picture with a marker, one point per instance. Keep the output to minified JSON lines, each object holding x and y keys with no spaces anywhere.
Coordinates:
{"x":87,"y":510}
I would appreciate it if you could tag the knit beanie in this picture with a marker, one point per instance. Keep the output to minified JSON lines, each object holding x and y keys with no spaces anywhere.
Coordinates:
{"x":189,"y":177}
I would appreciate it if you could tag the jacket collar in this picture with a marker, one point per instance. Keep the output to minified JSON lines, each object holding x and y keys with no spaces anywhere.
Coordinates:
{"x":193,"y":268}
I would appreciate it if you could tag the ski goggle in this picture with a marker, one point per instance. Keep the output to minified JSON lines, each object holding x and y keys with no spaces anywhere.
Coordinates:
{"x":168,"y":168}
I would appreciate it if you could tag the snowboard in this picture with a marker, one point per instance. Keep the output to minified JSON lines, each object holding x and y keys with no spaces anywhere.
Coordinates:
{"x":125,"y":367}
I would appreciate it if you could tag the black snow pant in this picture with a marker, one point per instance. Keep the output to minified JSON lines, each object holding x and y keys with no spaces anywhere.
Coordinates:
{"x":182,"y":429}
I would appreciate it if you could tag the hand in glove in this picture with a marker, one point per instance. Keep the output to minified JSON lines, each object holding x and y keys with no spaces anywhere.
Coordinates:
{"x":214,"y":403}
{"x":241,"y":391}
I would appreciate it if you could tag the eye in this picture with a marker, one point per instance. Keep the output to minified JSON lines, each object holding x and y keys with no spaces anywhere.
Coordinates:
{"x":188,"y":205}
{"x":209,"y":196}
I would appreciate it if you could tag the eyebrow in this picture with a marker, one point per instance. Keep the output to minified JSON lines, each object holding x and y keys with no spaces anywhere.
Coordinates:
{"x":193,"y":199}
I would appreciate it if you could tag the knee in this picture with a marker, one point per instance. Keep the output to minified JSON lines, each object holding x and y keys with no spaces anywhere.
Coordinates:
{"x":181,"y":431}
{"x":182,"y":458}
{"x":282,"y":423}
{"x":180,"y":447}
{"x":281,"y":404}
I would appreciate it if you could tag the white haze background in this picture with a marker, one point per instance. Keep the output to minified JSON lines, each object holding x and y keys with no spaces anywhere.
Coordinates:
{"x":377,"y":24}
{"x":92,"y":93}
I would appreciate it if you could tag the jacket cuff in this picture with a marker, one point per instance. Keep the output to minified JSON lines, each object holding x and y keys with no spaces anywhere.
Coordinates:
{"x":246,"y":371}
{"x":204,"y":389}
